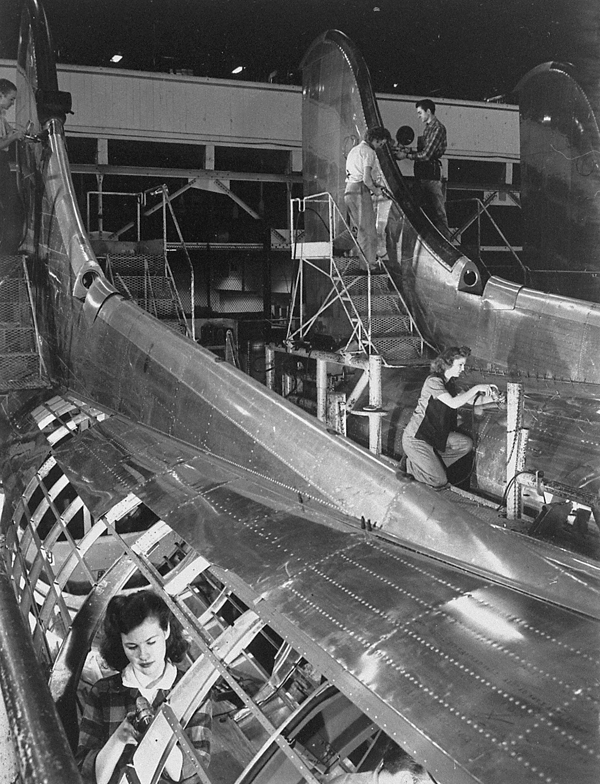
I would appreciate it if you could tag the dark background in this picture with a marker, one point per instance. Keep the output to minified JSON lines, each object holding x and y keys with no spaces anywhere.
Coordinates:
{"x":463,"y":49}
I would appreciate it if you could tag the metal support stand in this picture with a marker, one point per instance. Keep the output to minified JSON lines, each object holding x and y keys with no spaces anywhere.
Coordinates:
{"x":374,"y":411}
{"x":516,"y":443}
{"x":287,"y":384}
{"x":270,"y":367}
{"x":375,"y":396}
{"x":336,"y":412}
{"x":375,"y":401}
{"x":321,"y":390}
{"x":356,"y":301}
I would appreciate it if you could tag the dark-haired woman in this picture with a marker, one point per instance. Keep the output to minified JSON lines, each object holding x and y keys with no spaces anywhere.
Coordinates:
{"x":143,"y":641}
{"x":430,"y":441}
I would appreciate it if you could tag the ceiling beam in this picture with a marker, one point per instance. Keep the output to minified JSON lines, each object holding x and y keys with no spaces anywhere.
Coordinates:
{"x":182,"y":174}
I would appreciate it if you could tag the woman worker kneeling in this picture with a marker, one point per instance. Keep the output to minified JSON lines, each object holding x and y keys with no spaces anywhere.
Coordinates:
{"x":429,"y":440}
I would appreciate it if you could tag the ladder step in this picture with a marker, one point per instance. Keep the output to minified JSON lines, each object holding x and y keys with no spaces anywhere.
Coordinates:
{"x":380,"y":325}
{"x":394,"y":349}
{"x":136,"y":264}
{"x":16,"y":339}
{"x":381,"y":284}
{"x":383,"y":303}
{"x":12,"y":289}
{"x":364,"y":274}
{"x":358,"y":285}
{"x":11,"y":266}
{"x":138,"y":285}
{"x":164,"y":307}
{"x":402,"y":321}
{"x":15,"y":313}
{"x":19,"y":360}
{"x":348,"y":264}
{"x":20,"y":371}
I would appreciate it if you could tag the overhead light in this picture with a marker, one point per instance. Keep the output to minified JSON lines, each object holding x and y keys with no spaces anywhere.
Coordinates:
{"x":116,"y":58}
{"x":237,"y":70}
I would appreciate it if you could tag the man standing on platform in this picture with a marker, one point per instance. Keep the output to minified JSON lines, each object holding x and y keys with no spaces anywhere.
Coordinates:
{"x":360,"y":188}
{"x":428,"y":165}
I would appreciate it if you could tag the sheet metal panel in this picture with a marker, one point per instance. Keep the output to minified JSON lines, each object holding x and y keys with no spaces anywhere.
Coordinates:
{"x":406,"y":511}
{"x":502,"y":683}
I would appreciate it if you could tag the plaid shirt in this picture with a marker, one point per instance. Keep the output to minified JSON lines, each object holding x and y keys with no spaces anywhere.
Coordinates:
{"x":434,"y":142}
{"x":107,"y":703}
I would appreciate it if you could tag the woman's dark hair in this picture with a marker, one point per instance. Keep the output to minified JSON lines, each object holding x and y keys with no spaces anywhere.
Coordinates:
{"x":396,"y":759}
{"x":447,"y":357}
{"x":125,"y":613}
{"x":6,"y":87}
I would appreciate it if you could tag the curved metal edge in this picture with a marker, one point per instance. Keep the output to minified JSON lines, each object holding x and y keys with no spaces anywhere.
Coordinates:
{"x":398,"y":186}
{"x":551,"y":65}
{"x":44,"y":753}
{"x":34,"y":28}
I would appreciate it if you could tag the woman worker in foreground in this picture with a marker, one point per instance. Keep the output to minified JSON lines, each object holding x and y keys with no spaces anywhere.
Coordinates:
{"x":429,"y":440}
{"x":142,"y":640}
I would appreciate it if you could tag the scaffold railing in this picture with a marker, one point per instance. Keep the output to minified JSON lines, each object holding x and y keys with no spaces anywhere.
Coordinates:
{"x":352,"y":281}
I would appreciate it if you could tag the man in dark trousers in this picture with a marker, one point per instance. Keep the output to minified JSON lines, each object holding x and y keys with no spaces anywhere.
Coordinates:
{"x":428,"y":165}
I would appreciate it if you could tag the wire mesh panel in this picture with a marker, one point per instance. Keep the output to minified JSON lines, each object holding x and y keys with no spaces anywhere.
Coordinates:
{"x":381,"y":303}
{"x":137,"y":264}
{"x":16,"y":340}
{"x":148,"y":280}
{"x":19,"y":371}
{"x":20,"y":366}
{"x":398,"y":352}
{"x":15,"y":308}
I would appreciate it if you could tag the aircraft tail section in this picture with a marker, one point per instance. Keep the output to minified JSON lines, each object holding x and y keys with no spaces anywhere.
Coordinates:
{"x":560,"y":180}
{"x":339,"y":106}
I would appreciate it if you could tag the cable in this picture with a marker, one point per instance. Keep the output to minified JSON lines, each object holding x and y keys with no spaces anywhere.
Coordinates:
{"x":318,"y":214}
{"x":510,"y":483}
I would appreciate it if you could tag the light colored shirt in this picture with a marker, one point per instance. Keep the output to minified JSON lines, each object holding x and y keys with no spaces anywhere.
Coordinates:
{"x":135,"y":680}
{"x":359,"y":158}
